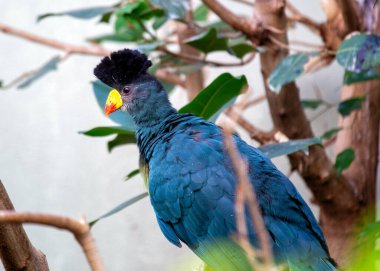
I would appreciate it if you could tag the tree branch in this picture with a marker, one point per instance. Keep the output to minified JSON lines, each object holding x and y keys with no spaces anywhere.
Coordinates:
{"x":16,"y":251}
{"x":69,"y":48}
{"x":79,"y":228}
{"x":299,"y":17}
{"x":237,"y":22}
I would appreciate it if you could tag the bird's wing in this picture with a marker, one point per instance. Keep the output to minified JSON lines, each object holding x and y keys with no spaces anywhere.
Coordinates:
{"x":192,"y":191}
{"x":290,"y":222}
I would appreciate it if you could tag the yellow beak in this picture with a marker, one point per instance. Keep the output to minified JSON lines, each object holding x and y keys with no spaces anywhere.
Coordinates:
{"x":113,"y":103}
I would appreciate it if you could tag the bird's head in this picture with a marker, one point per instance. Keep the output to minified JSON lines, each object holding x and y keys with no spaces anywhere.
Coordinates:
{"x":134,"y":90}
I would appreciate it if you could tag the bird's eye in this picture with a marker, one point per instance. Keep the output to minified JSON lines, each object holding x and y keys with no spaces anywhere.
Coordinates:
{"x":126,"y":90}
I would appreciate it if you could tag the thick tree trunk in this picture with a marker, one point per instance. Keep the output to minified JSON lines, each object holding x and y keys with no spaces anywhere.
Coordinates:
{"x":16,"y":251}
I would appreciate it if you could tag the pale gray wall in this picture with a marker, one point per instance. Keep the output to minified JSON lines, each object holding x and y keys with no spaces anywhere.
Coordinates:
{"x":47,"y":166}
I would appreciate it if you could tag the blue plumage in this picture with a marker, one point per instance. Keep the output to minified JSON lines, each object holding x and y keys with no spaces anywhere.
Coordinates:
{"x":192,"y":189}
{"x":192,"y":183}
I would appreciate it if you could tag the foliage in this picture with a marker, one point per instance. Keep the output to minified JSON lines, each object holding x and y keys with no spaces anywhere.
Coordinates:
{"x":344,"y":159}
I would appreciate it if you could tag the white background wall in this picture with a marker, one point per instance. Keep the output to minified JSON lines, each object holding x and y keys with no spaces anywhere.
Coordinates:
{"x":47,"y":166}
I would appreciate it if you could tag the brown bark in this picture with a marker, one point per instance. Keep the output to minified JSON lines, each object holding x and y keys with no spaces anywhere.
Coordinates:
{"x":16,"y":251}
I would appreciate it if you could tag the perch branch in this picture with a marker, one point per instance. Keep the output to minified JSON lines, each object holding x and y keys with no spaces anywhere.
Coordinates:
{"x":79,"y":228}
{"x":16,"y":251}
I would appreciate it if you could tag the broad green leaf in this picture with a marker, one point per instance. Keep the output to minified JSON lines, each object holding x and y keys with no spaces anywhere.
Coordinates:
{"x":208,"y":42}
{"x":344,"y":160}
{"x":312,"y":104}
{"x":330,"y":133}
{"x":121,"y":139}
{"x":132,"y":174}
{"x":49,"y":66}
{"x":288,"y":70}
{"x":106,"y":131}
{"x":359,"y":53}
{"x":101,"y":93}
{"x":289,"y":147}
{"x":152,"y":13}
{"x":201,"y":13}
{"x":120,"y":207}
{"x":175,"y":9}
{"x":215,"y":95}
{"x":347,"y":106}
{"x":241,"y":49}
{"x":129,"y":29}
{"x":83,"y":13}
{"x":353,"y":77}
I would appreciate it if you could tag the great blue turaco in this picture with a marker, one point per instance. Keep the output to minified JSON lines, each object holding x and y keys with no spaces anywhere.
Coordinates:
{"x":191,"y":181}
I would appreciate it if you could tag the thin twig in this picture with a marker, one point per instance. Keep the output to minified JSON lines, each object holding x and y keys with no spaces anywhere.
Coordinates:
{"x":246,"y":191}
{"x":254,"y":132}
{"x":299,"y":17}
{"x":79,"y":228}
{"x":85,"y":50}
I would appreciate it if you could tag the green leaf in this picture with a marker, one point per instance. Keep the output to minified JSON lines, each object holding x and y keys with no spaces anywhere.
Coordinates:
{"x":133,"y":8}
{"x":83,"y":13}
{"x":120,"y":207}
{"x":359,"y":53}
{"x":312,"y":104}
{"x":208,"y":42}
{"x":241,"y":49}
{"x":347,"y":106}
{"x":129,"y":29}
{"x":121,"y":139}
{"x":105,"y":18}
{"x":288,"y":70}
{"x":289,"y":147}
{"x":344,"y":160}
{"x":158,"y":22}
{"x":216,"y":95}
{"x":106,"y":131}
{"x":175,"y":9}
{"x":132,"y":174}
{"x":330,"y":133}
{"x":353,"y":77}
{"x":101,"y":92}
{"x":49,"y":66}
{"x":201,"y":13}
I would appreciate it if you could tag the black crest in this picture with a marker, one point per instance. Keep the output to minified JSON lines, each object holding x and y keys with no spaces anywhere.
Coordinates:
{"x":122,"y":67}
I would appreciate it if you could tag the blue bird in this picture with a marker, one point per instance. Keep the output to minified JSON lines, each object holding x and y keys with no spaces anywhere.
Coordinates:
{"x":192,"y":184}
